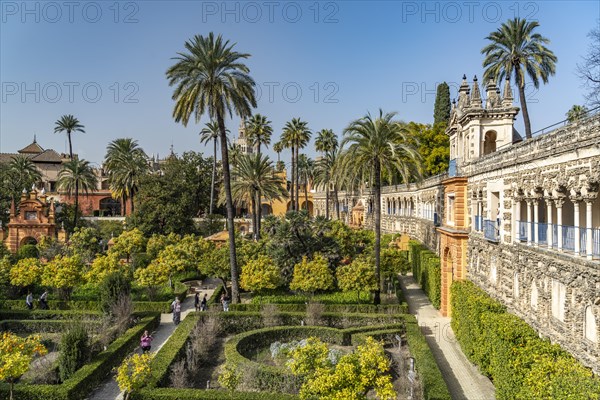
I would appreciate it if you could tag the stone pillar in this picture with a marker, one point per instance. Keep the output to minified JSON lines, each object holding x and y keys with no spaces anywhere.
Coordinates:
{"x":576,"y":223}
{"x":588,"y":225}
{"x":516,"y":219}
{"x":473,"y":212}
{"x":480,"y":213}
{"x":559,"y":203}
{"x":549,"y":234}
{"x":529,"y":222}
{"x":536,"y":221}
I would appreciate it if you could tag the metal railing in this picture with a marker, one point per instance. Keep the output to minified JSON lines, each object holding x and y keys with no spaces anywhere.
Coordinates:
{"x":568,"y":237}
{"x":542,"y":230}
{"x":490,"y":230}
{"x":523,"y":230}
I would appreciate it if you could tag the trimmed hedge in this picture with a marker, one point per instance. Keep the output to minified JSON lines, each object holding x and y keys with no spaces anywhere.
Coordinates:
{"x":434,"y":386}
{"x":172,"y":351}
{"x":426,"y":270}
{"x":163,"y":307}
{"x":332,"y":308}
{"x":90,"y":375}
{"x":195,"y":394}
{"x":41,"y":325}
{"x":49,"y":314}
{"x":340,"y":298}
{"x":510,"y":352}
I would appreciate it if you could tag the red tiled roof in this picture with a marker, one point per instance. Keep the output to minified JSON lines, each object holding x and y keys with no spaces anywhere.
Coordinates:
{"x":33,"y":148}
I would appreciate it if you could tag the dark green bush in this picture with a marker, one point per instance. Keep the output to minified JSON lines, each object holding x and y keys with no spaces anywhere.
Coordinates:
{"x":28,"y":251}
{"x":74,"y":351}
{"x":113,"y":287}
{"x":426,"y":271}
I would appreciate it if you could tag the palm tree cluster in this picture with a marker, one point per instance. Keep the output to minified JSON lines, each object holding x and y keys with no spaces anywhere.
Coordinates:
{"x":296,"y":136}
{"x":126,"y":163}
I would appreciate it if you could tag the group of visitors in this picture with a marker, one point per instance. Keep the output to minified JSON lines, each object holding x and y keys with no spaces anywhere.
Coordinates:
{"x":43,"y":301}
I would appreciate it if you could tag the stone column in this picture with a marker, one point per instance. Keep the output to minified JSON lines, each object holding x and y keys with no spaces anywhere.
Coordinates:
{"x":577,"y":246}
{"x":473,"y":212}
{"x":529,"y":222}
{"x":480,"y":213}
{"x":516,"y":218}
{"x":559,"y":203}
{"x":536,"y":221}
{"x":549,"y":233}
{"x":588,"y":225}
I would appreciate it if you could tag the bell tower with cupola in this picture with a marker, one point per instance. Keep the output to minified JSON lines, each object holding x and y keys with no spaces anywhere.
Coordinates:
{"x":477,"y":128}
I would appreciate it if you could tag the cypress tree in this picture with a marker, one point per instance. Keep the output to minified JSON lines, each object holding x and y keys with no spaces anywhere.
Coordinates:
{"x":441,"y":109}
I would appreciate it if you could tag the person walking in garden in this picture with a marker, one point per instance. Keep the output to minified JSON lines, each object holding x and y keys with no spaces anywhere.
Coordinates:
{"x":204,"y":303}
{"x":29,"y":301}
{"x":177,"y":312}
{"x":146,"y":342}
{"x":197,"y":301}
{"x":44,"y":300}
{"x":225,"y":302}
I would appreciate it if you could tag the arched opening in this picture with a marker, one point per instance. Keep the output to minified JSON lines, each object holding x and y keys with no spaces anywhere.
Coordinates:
{"x":110,"y":207}
{"x":303,"y":206}
{"x":28,"y":240}
{"x":266,"y":209}
{"x":589,"y":325}
{"x":489,"y":142}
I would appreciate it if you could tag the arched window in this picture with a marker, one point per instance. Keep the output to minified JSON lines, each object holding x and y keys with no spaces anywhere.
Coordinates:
{"x":489,"y":142}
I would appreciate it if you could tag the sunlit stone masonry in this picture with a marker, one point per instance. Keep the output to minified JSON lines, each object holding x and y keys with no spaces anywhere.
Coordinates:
{"x":520,"y":218}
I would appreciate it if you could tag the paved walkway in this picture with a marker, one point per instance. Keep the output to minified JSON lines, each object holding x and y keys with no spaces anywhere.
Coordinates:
{"x":463,"y":378}
{"x":109,"y":389}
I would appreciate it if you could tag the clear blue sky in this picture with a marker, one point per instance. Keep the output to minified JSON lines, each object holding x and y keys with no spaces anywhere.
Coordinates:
{"x":345,"y":57}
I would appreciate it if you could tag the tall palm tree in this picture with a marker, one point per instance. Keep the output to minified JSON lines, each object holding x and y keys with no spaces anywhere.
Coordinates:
{"x":306,"y":171}
{"x":259,"y":131}
{"x":68,"y":123}
{"x":210,"y":77}
{"x":278,"y":148}
{"x":21,"y":173}
{"x":254,"y":179}
{"x":296,"y":136}
{"x":326,"y":142}
{"x":377,"y":145}
{"x":516,"y":50}
{"x":125,"y":163}
{"x":77,"y":175}
{"x":211,"y":132}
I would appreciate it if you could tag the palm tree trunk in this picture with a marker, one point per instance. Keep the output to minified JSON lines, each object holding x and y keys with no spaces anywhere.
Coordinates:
{"x":76,"y":204}
{"x":235,"y":293}
{"x":521,"y":86}
{"x":258,"y":214}
{"x":124,"y":202}
{"x":212,"y":181}
{"x":70,"y":146}
{"x":131,"y":199}
{"x":336,"y":202}
{"x":306,"y":193}
{"x":296,"y":149}
{"x":377,"y":190}
{"x":292,"y":203}
{"x":327,"y":200}
{"x":254,"y":215}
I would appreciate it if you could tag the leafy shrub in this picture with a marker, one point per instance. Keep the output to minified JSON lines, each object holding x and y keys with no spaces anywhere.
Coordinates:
{"x":113,"y":287}
{"x":74,"y":351}
{"x":426,"y":271}
{"x":28,"y":251}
